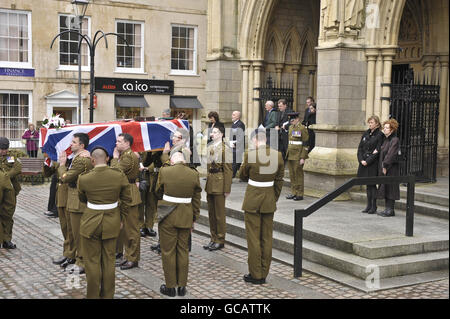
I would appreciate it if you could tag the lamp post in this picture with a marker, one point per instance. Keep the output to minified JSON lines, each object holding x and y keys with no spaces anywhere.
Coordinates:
{"x":80,"y":7}
{"x":92,"y":45}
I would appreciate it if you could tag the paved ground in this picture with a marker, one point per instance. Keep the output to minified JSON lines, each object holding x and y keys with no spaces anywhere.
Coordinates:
{"x":27,"y":272}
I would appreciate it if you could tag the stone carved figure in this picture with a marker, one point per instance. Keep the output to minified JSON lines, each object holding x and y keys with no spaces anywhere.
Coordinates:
{"x":354,"y":14}
{"x":330,"y":19}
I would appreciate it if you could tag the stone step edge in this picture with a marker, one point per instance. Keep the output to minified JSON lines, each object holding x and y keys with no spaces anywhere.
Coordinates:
{"x":333,"y":274}
{"x":279,"y":240}
{"x":332,"y":242}
{"x":421,"y":208}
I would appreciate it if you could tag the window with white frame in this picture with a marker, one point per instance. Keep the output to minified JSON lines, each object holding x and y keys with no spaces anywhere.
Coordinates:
{"x":14,"y":114}
{"x":184,"y":50}
{"x":130,"y":54}
{"x":68,"y":43}
{"x":15,"y":38}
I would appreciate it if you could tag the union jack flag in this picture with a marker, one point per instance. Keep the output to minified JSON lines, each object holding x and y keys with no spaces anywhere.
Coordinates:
{"x":147,"y":136}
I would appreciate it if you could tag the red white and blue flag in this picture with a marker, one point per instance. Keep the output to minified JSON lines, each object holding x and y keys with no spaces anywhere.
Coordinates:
{"x":147,"y":136}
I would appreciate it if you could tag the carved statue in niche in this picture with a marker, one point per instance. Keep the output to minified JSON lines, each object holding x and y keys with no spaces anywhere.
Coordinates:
{"x":329,"y":12}
{"x":354,"y":14}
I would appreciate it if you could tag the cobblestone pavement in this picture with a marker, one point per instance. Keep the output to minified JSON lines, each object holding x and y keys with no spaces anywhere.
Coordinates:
{"x":27,"y":272}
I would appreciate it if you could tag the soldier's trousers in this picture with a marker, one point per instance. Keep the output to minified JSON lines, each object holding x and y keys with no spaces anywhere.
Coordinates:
{"x":75,"y":218}
{"x":174,"y":253}
{"x":130,"y":237}
{"x":66,"y":230}
{"x":297,"y":176}
{"x":259,"y":229}
{"x":99,"y":262}
{"x":217,"y":222}
{"x":147,"y":210}
{"x":7,"y":223}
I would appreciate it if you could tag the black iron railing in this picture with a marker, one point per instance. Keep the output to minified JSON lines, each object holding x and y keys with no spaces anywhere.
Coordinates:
{"x":305,"y":212}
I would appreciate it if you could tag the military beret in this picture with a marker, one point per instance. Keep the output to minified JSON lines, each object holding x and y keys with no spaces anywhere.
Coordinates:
{"x":4,"y":143}
{"x":293,"y":115}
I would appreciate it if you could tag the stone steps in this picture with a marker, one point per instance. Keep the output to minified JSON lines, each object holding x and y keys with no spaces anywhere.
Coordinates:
{"x":432,"y":206}
{"x":402,"y":256}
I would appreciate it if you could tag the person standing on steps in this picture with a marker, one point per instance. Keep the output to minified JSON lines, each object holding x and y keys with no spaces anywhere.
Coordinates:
{"x":368,"y":154}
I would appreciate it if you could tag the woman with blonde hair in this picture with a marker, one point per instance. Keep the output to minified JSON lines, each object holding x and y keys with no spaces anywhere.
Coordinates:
{"x":388,"y":166}
{"x":368,"y":153}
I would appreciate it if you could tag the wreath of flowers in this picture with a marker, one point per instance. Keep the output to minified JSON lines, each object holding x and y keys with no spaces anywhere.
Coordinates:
{"x":55,"y":121}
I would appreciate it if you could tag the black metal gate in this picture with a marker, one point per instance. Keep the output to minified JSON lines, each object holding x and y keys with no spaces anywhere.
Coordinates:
{"x":269,"y":92}
{"x":415,"y":105}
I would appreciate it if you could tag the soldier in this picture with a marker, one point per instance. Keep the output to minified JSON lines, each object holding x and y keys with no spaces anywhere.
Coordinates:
{"x":81,"y":163}
{"x":10,"y":165}
{"x":179,"y":187}
{"x":218,"y":187}
{"x":7,"y":201}
{"x":68,"y":256}
{"x":128,"y":163}
{"x":100,"y":190}
{"x":296,"y":155}
{"x":263,"y":167}
{"x":147,"y":209}
{"x":179,"y":141}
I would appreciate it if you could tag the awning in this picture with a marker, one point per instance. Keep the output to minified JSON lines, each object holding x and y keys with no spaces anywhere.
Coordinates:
{"x":130,"y":101}
{"x":185,"y":102}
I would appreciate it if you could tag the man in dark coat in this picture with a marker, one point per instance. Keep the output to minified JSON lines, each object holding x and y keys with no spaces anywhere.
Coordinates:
{"x":237,"y":140}
{"x":283,"y":127}
{"x":368,"y":153}
{"x":310,"y":119}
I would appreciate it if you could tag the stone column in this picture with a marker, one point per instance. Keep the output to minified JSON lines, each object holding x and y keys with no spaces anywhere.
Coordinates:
{"x":428,"y":67}
{"x":340,"y":118}
{"x":279,"y":69}
{"x":251,"y":92}
{"x":378,"y":89}
{"x":437,"y":71}
{"x":370,"y":95}
{"x":257,"y":67}
{"x":312,"y":74}
{"x":245,"y":67}
{"x":443,"y":115}
{"x":295,"y":70}
{"x":388,"y":56}
{"x":443,"y":143}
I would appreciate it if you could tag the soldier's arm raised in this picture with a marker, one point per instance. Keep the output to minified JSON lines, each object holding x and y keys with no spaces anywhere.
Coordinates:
{"x":79,"y":165}
{"x":125,"y":164}
{"x":49,"y":170}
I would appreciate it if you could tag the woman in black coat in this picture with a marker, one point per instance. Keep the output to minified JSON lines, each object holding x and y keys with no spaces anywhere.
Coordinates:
{"x":368,"y":153}
{"x":214,"y":122}
{"x":388,"y":166}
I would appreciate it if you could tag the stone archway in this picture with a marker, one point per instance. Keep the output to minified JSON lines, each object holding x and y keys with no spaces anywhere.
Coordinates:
{"x":279,"y":44}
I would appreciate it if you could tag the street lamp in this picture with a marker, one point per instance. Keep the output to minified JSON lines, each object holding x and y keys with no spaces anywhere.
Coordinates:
{"x":92,"y":45}
{"x":80,"y":7}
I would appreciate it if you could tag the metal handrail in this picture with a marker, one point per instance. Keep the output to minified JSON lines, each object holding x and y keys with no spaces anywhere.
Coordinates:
{"x":305,"y":212}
